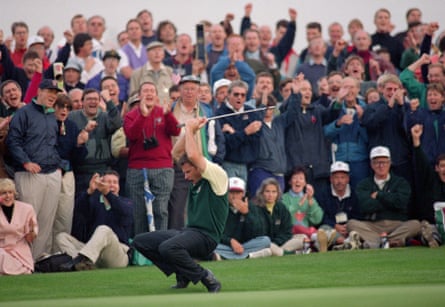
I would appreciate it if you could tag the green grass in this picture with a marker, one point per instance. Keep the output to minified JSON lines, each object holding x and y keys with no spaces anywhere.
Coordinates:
{"x":404,"y":274}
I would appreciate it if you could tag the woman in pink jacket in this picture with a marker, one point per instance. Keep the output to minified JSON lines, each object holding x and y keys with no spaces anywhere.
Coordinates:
{"x":18,"y":228}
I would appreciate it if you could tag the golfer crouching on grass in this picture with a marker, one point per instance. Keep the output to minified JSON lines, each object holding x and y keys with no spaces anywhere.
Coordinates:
{"x":174,"y":251}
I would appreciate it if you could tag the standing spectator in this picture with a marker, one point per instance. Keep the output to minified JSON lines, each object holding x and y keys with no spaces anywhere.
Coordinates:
{"x":220,"y":91}
{"x":234,"y":60}
{"x":149,"y":129}
{"x":111,"y":62}
{"x":431,"y":182}
{"x":174,"y":251}
{"x":241,"y":132}
{"x":83,"y":48}
{"x":350,"y":137}
{"x":383,"y":200}
{"x":96,"y":28}
{"x":413,"y":15}
{"x":110,"y":222}
{"x":313,"y":30}
{"x":166,"y":34}
{"x":383,"y":39}
{"x":20,"y":33}
{"x":146,"y":20}
{"x":71,"y":147}
{"x":305,"y":142}
{"x":315,"y":65}
{"x":100,"y":124}
{"x":133,"y":54}
{"x":385,"y":123}
{"x":48,"y":37}
{"x":217,"y":47}
{"x":11,"y":98}
{"x":154,"y":71}
{"x":272,"y":160}
{"x":32,"y":142}
{"x":336,"y":32}
{"x":76,"y":98}
{"x":18,"y":235}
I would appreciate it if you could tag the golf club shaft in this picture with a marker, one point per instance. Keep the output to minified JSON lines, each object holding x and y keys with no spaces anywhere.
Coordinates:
{"x":234,"y":114}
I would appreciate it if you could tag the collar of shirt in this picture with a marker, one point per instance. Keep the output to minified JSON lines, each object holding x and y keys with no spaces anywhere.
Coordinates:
{"x":346,"y":195}
{"x":231,"y":108}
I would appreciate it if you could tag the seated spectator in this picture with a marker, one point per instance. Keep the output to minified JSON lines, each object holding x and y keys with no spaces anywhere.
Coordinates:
{"x":109,"y":219}
{"x":277,"y":219}
{"x":244,"y":234}
{"x":339,"y":204}
{"x":383,"y":199}
{"x":18,"y":235}
{"x":304,"y":209}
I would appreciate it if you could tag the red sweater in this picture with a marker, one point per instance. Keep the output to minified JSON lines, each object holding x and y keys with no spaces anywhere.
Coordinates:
{"x":158,"y":124}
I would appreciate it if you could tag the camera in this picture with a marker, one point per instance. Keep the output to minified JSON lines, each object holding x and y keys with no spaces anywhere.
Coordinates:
{"x":150,"y":143}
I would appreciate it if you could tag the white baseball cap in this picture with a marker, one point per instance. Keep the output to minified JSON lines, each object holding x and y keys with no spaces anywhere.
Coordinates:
{"x":339,"y":166}
{"x":220,"y":83}
{"x":237,"y":184}
{"x":380,"y":151}
{"x":36,"y":39}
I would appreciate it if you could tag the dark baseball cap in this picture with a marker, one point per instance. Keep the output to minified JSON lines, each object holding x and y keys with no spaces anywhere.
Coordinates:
{"x":48,"y":84}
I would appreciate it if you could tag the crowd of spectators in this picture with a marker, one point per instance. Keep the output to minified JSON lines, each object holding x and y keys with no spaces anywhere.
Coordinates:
{"x":337,"y":142}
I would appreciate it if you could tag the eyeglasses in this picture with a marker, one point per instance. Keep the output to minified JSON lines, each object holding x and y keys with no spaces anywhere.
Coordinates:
{"x":239,"y":94}
{"x":380,"y":163}
{"x":69,"y":108}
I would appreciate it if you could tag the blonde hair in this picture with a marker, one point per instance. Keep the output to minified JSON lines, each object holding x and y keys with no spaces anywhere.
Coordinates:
{"x":7,"y":184}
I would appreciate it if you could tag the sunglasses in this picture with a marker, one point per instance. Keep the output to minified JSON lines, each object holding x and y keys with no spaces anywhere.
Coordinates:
{"x":239,"y":94}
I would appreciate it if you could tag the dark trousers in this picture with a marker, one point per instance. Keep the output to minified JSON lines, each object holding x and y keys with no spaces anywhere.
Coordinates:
{"x":178,"y":200}
{"x":174,"y":251}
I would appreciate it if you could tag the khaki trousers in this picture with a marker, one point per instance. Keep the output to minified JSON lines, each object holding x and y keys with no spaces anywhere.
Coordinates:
{"x":42,"y":192}
{"x":396,"y":230}
{"x":64,"y":214}
{"x":104,"y":248}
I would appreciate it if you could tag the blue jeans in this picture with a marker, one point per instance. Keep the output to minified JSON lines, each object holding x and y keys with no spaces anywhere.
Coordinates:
{"x":253,"y":245}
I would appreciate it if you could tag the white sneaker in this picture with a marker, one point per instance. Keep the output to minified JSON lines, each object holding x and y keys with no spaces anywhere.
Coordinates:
{"x":354,"y":239}
{"x":265,"y":252}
